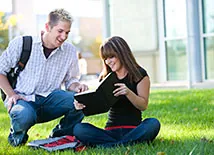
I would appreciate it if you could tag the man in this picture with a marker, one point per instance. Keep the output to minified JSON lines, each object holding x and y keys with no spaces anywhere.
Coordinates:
{"x":38,"y":97}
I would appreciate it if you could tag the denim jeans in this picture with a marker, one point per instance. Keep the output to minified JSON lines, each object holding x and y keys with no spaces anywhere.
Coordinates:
{"x":91,"y":135}
{"x":25,"y":114}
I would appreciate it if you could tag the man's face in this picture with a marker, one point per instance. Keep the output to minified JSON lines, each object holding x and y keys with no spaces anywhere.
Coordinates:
{"x":58,"y":34}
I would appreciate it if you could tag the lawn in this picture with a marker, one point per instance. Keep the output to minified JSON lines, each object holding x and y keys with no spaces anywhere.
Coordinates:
{"x":187,"y":127}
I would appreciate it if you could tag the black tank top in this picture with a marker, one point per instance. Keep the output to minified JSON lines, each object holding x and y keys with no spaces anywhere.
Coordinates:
{"x":124,"y":113}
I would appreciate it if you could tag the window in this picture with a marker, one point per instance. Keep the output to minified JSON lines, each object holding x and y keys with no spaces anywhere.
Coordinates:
{"x":176,"y":60}
{"x":208,"y":37}
{"x":175,"y":39}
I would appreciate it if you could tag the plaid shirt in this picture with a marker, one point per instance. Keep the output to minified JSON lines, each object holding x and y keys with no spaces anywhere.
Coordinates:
{"x":41,"y":75}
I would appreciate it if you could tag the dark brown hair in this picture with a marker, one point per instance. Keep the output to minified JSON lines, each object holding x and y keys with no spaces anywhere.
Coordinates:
{"x":117,"y":47}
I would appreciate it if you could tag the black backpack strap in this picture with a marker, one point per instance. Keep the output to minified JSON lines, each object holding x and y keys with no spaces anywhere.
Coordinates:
{"x":26,"y":50}
{"x":14,"y":73}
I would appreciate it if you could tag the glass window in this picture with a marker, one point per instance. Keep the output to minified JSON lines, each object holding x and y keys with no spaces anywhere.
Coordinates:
{"x":175,"y":39}
{"x":208,"y":16}
{"x":209,"y":57}
{"x":208,"y":37}
{"x":175,"y":18}
{"x":176,"y":60}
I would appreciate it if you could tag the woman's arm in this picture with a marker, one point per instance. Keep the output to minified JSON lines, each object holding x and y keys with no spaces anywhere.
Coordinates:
{"x":140,"y":101}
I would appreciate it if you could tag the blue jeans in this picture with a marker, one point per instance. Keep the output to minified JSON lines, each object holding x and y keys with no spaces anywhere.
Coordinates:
{"x":91,"y":135}
{"x":59,"y":103}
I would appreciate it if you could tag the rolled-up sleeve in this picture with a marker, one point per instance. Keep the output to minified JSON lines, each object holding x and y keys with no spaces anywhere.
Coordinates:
{"x":10,"y":56}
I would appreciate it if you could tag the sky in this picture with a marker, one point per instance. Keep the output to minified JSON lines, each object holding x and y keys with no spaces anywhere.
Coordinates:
{"x":86,"y":8}
{"x":5,"y":6}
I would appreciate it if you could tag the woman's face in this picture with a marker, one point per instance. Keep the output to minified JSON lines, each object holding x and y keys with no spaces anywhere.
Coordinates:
{"x":114,"y":63}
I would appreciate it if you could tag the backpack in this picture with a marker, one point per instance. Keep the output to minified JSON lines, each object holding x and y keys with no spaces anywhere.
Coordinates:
{"x":14,"y":72}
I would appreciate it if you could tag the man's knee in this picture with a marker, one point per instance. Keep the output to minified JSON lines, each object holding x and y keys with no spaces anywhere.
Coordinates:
{"x":22,"y":118}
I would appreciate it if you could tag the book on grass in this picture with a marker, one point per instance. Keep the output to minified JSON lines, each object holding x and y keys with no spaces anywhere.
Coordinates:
{"x":101,"y":99}
{"x":56,"y":143}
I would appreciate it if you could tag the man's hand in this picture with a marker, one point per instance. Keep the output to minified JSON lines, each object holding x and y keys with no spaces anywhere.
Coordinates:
{"x":13,"y":100}
{"x":81,"y":88}
{"x":78,"y":87}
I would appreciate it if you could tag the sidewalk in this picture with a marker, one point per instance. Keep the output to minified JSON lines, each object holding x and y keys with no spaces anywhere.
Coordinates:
{"x":92,"y":82}
{"x":183,"y":85}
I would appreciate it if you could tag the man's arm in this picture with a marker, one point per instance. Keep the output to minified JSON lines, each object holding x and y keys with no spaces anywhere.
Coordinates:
{"x":9,"y":59}
{"x":8,"y":90}
{"x":5,"y":86}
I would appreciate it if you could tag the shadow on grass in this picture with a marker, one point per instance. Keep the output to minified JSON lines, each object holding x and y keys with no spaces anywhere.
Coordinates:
{"x":185,"y":146}
{"x":167,"y":146}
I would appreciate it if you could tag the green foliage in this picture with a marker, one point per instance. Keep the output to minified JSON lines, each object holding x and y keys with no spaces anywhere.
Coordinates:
{"x":95,"y":46}
{"x":4,"y":39}
{"x":6,"y":22}
{"x":187,"y":127}
{"x":3,"y":31}
{"x":91,"y":45}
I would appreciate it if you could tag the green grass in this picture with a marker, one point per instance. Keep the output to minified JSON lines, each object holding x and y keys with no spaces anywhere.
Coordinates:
{"x":187,"y":127}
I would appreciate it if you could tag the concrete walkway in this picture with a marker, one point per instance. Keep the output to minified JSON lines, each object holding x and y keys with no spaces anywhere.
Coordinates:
{"x":183,"y":85}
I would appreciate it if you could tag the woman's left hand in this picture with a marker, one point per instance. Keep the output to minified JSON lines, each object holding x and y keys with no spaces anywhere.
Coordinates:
{"x":121,"y":89}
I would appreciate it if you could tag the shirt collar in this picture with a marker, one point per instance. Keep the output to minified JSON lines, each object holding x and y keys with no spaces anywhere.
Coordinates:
{"x":38,"y":39}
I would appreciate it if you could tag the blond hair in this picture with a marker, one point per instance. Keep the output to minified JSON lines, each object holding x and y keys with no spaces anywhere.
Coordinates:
{"x":59,"y":15}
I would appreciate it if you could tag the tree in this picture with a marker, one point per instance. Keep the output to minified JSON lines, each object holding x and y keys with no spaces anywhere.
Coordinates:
{"x":95,"y":45}
{"x":6,"y":23}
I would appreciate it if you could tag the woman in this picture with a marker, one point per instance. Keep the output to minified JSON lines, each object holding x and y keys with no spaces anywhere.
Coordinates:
{"x":124,"y":125}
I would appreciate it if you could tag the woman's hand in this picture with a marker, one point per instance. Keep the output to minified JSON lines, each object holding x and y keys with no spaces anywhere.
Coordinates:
{"x":139,"y":99}
{"x":121,"y":89}
{"x":78,"y":106}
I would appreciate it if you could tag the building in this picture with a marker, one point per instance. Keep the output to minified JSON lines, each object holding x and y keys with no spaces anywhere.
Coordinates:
{"x":173,"y":40}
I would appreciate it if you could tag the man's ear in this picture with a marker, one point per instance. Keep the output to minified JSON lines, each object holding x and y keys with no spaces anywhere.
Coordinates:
{"x":47,"y":27}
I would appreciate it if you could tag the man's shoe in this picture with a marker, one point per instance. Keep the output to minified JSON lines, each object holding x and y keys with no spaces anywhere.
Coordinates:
{"x":17,"y":139}
{"x":57,"y":133}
